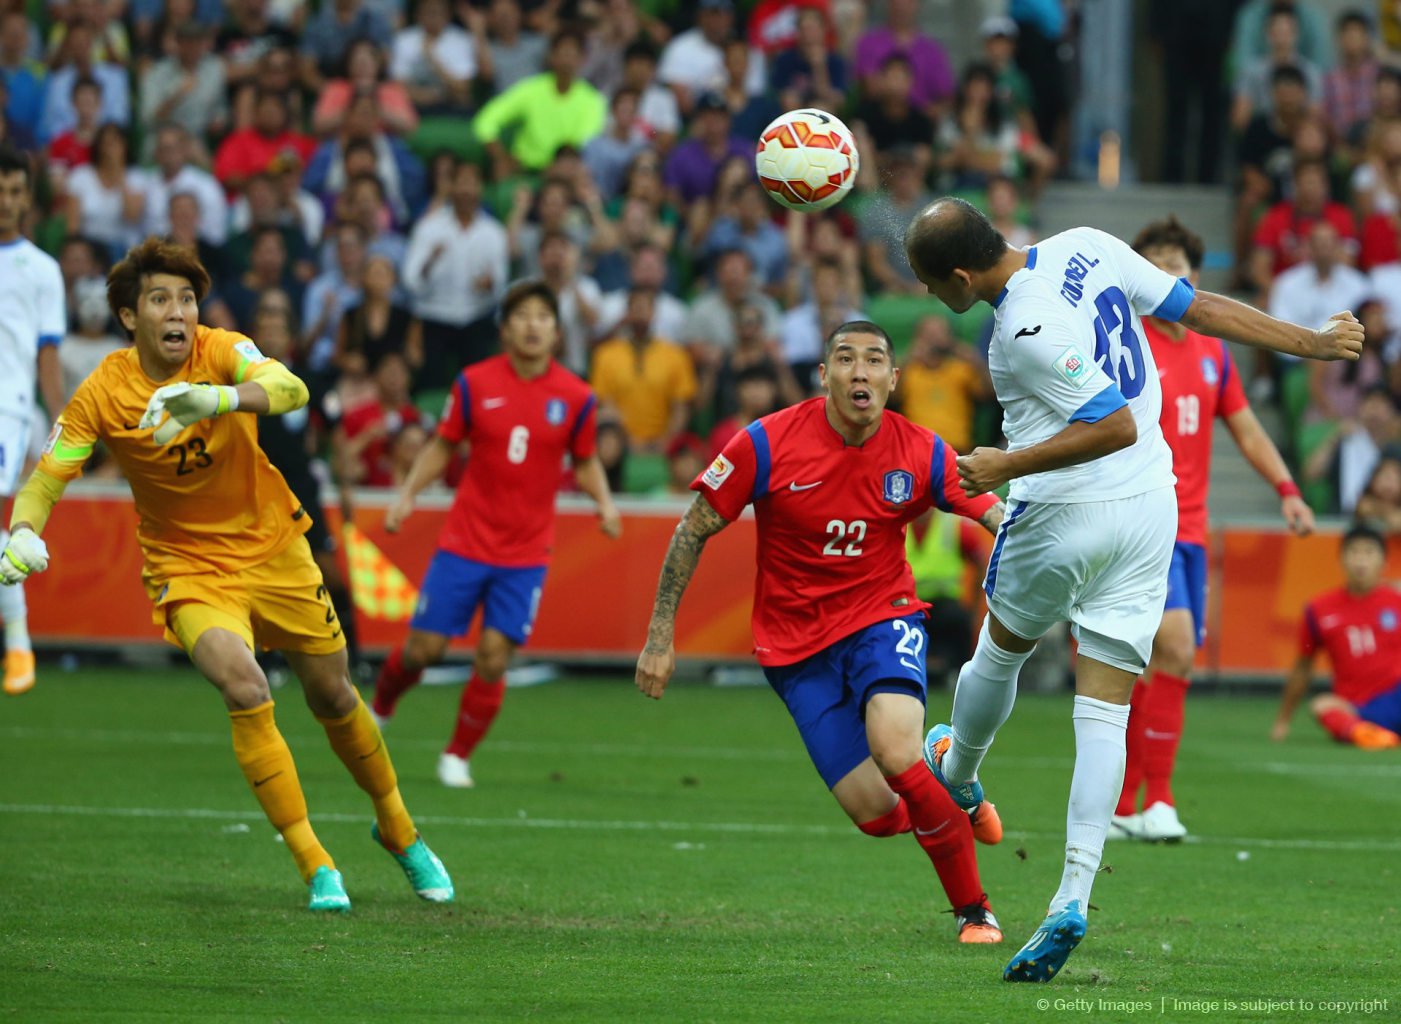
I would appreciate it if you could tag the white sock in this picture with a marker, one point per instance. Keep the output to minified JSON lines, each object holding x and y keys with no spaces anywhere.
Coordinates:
{"x":982,"y":700}
{"x":14,"y":611}
{"x":1094,"y":790}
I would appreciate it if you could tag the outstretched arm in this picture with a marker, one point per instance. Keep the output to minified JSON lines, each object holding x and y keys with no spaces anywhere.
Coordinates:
{"x":986,"y":469}
{"x":1262,"y":454}
{"x":1224,"y":317}
{"x":658,"y":658}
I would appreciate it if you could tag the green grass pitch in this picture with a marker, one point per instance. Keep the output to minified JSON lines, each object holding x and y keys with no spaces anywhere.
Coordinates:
{"x":629,"y":861}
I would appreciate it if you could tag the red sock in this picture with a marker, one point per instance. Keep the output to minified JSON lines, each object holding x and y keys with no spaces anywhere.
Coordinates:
{"x":1339,"y":722}
{"x":942,"y":828}
{"x":892,"y":823}
{"x":394,"y":679}
{"x":1133,"y":741}
{"x":1162,"y":731}
{"x":480,"y":703}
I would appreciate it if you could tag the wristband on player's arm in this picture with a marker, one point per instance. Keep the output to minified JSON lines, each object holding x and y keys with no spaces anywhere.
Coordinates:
{"x":285,"y":390}
{"x":36,"y":500}
{"x":1288,"y":489}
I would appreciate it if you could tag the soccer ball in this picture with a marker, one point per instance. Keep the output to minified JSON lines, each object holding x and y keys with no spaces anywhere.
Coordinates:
{"x":807,"y":160}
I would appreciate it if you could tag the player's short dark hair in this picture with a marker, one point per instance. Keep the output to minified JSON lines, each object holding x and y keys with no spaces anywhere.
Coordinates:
{"x":153,"y":256}
{"x":640,"y":49}
{"x":896,"y":57}
{"x":354,"y":145}
{"x":1353,"y":17}
{"x":531,"y":288}
{"x":856,"y":327}
{"x":952,"y":234}
{"x":84,"y":82}
{"x":1288,"y":74}
{"x":12,"y":160}
{"x":373,"y":179}
{"x":1171,"y":233}
{"x":756,"y":371}
{"x":569,"y":33}
{"x":1364,"y":530}
{"x":1281,"y":8}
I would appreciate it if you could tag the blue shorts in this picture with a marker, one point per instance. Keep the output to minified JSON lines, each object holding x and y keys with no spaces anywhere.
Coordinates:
{"x":1187,"y":584}
{"x":455,"y":586}
{"x":827,"y":692}
{"x":1384,"y":709}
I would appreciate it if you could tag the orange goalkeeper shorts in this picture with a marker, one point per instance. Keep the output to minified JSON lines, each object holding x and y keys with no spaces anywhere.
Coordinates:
{"x":279,"y":605}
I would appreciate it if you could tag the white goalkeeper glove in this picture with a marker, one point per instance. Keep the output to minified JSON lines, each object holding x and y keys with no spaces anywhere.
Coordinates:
{"x":186,"y":403}
{"x":26,"y":553}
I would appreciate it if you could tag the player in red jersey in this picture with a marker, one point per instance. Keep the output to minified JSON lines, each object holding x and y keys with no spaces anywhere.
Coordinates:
{"x":1200,"y":385}
{"x":1359,"y":625}
{"x":837,"y":625}
{"x":522,"y":412}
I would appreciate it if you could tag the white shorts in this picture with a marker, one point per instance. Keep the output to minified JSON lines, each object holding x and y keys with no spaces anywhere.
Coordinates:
{"x":14,"y":449}
{"x":1101,"y":565}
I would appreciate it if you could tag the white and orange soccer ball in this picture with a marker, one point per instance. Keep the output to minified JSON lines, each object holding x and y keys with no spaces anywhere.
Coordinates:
{"x":807,"y":160}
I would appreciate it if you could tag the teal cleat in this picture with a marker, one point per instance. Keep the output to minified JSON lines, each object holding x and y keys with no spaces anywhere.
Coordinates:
{"x":967,"y":795}
{"x":424,"y":870}
{"x":1046,"y":951}
{"x":328,"y":891}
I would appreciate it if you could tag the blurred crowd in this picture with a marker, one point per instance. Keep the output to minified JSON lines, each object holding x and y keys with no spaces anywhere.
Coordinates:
{"x":364,"y":178}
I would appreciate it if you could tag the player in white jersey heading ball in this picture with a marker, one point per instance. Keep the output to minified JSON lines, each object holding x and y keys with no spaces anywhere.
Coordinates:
{"x":32,"y":323}
{"x":1092,"y":515}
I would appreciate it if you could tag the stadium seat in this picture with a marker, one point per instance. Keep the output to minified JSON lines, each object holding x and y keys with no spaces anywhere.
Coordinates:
{"x":1320,"y":494}
{"x":899,"y":315}
{"x":454,"y":134}
{"x":1294,"y":394}
{"x":431,"y":401}
{"x":644,"y":472}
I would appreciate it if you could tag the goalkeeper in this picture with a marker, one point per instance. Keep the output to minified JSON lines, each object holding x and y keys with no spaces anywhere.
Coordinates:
{"x":226,"y":565}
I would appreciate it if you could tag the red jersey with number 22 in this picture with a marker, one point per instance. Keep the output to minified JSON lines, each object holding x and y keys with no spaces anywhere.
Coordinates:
{"x":831,"y":522}
{"x":1362,"y":636}
{"x":1200,"y":383}
{"x":520,"y":431}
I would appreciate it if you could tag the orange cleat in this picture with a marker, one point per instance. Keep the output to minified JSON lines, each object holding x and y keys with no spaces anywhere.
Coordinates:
{"x":976,"y":924}
{"x":19,"y":672}
{"x":1367,"y":735}
{"x":987,"y":823}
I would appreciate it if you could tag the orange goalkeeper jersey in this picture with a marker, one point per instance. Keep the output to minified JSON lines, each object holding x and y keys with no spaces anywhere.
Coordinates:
{"x":209,"y":501}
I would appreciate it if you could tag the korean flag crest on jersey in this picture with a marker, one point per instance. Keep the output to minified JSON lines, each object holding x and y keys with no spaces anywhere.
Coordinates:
{"x":1209,"y":371}
{"x":555,"y":411}
{"x":1388,"y":621}
{"x":899,"y":486}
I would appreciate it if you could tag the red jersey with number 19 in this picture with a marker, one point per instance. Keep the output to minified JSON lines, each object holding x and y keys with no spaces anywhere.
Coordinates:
{"x":520,"y":431}
{"x":1362,"y":635}
{"x":1200,"y":383}
{"x":831,"y":522}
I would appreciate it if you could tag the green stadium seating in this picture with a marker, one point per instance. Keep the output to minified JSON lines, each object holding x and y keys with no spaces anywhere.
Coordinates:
{"x":899,"y":315}
{"x":454,"y":134}
{"x":1308,"y":437}
{"x":644,"y":472}
{"x":431,"y":401}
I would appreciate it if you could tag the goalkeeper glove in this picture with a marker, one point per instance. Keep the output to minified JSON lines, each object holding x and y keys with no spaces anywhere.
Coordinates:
{"x":26,"y":553}
{"x":186,"y":404}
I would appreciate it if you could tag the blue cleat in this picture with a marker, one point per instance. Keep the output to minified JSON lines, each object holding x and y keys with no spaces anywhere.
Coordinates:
{"x":328,"y":891}
{"x":967,"y":795}
{"x":1046,"y":951}
{"x":425,"y":871}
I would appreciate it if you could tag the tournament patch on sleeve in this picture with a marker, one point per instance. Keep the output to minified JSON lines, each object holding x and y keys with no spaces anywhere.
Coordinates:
{"x":1073,"y":366}
{"x":54,"y":435}
{"x":249,"y":351}
{"x":718,"y":472}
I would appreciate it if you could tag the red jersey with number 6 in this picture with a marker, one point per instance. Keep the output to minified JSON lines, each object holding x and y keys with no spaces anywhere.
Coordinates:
{"x":1200,"y":383}
{"x":520,"y":431}
{"x":831,"y":521}
{"x":1362,"y":635}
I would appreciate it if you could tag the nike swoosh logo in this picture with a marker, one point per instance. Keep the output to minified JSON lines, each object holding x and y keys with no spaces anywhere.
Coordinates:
{"x":931,"y":831}
{"x":1027,"y":332}
{"x":1331,"y":620}
{"x":794,"y":486}
{"x":131,"y":426}
{"x":493,"y":403}
{"x":1159,"y":735}
{"x":372,"y":753}
{"x":268,"y":779}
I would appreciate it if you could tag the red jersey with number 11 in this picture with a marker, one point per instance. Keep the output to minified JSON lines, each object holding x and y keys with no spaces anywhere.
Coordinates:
{"x":831,"y":522}
{"x":1200,"y":383}
{"x":1362,"y":635}
{"x":520,"y":431}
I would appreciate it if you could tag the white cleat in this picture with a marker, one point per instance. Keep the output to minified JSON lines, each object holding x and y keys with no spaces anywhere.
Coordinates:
{"x":1160,"y":824}
{"x":455,"y":772}
{"x":381,"y":721}
{"x":1126,"y":826}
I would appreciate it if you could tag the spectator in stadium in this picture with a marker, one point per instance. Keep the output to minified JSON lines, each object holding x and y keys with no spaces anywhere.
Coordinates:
{"x":23,"y":77}
{"x":1357,"y":625}
{"x":269,"y":267}
{"x":367,"y":436}
{"x":1380,"y":502}
{"x":610,"y":154}
{"x":577,"y":295}
{"x":1003,"y":209}
{"x":643,"y":184}
{"x":365,"y":75}
{"x":647,"y":381}
{"x":814,"y":238}
{"x":805,"y":328}
{"x":363,"y":202}
{"x":686,"y":456}
{"x":377,"y":325}
{"x":694,"y":165}
{"x":362,"y":147}
{"x":751,"y":228}
{"x":658,"y":115}
{"x":711,"y":325}
{"x":1376,"y":181}
{"x":611,"y":446}
{"x":1011,"y":86}
{"x":1349,"y":87}
{"x":752,"y":391}
{"x":807,"y":73}
{"x":1350,"y":454}
{"x":187,"y":88}
{"x":175,"y":172}
{"x":330,"y":294}
{"x":91,"y":338}
{"x":110,"y":43}
{"x":105,"y":198}
{"x":932,"y":86}
{"x":183,"y":217}
{"x":1282,"y":234}
{"x":513,"y":52}
{"x":73,"y":148}
{"x":1250,"y":40}
{"x":247,"y":34}
{"x":74,"y":61}
{"x":456,"y":269}
{"x":718,"y":392}
{"x":888,"y":120}
{"x":941,"y":548}
{"x":79,"y":258}
{"x":436,"y":60}
{"x":250,"y":151}
{"x":329,"y":33}
{"x":547,"y":111}
{"x":942,"y":383}
{"x":647,"y":270}
{"x":12,"y":133}
{"x":883,"y":224}
{"x":750,"y":112}
{"x":1253,"y":94}
{"x":693,"y":62}
{"x":980,"y":139}
{"x":1322,"y":281}
{"x":554,"y":208}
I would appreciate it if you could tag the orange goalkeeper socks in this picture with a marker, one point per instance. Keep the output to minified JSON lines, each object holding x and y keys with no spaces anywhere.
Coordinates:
{"x":357,"y":742}
{"x":267,"y":765}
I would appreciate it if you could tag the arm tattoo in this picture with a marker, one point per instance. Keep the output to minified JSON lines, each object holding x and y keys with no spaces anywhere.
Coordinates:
{"x":992,"y":518}
{"x":699,"y":524}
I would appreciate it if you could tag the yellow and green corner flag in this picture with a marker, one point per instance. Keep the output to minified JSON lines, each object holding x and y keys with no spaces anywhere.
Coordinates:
{"x":380,"y":590}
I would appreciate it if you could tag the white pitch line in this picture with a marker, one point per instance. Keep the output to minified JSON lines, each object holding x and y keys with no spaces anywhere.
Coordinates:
{"x":607,"y":825}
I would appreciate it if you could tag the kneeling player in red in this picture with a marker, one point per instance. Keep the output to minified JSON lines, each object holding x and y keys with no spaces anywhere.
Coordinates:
{"x":837,"y":626}
{"x":523,"y":413}
{"x":1359,"y":625}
